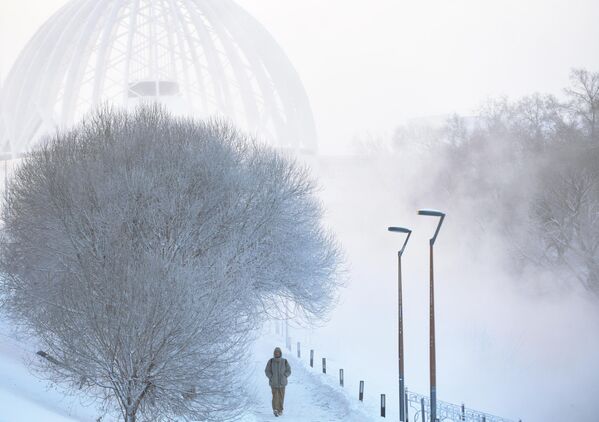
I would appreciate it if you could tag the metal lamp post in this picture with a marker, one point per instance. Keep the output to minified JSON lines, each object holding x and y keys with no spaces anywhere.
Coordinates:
{"x":402,"y":402}
{"x":432,"y":348}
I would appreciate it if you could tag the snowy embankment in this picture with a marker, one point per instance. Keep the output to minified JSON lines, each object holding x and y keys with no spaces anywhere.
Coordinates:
{"x":311,"y":397}
{"x":26,"y":398}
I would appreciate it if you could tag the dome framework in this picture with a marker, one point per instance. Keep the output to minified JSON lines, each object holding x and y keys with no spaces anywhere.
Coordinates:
{"x":206,"y":58}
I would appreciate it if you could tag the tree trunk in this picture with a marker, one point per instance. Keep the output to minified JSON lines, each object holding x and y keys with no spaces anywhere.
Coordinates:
{"x":130,"y":411}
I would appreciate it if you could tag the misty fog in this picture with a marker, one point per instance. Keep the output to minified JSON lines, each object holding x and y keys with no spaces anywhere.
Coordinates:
{"x":517,"y":314}
{"x":487,"y":111}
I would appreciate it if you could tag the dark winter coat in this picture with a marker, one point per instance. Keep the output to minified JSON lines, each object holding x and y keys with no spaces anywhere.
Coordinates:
{"x":277,"y":370}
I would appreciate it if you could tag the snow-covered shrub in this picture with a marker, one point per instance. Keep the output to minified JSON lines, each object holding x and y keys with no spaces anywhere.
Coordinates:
{"x":141,"y":250}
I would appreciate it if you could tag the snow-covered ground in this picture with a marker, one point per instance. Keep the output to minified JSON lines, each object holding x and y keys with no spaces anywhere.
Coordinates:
{"x":26,"y":398}
{"x":311,"y":397}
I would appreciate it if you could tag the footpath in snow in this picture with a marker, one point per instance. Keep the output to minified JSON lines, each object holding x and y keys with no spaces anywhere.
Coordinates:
{"x":310,"y":396}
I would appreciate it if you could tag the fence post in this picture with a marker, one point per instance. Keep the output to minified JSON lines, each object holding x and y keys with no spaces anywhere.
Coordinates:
{"x":361,"y":394}
{"x":383,"y":405}
{"x":341,"y":381}
{"x":463,"y":412}
{"x":423,"y":417}
{"x":299,"y":352}
{"x":311,"y":358}
{"x":324,"y":365}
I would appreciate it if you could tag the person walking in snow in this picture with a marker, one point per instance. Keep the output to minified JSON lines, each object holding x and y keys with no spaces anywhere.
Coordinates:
{"x":277,"y":370}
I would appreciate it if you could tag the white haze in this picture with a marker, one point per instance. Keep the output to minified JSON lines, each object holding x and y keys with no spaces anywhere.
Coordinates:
{"x":517,"y":347}
{"x":506,"y":346}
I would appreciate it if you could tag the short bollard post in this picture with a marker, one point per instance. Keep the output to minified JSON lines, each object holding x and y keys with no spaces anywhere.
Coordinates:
{"x":311,"y":358}
{"x":299,"y":352}
{"x":324,"y":365}
{"x":463,"y":417}
{"x":383,"y":406}
{"x":423,"y":417}
{"x":361,"y":394}
{"x":341,"y":381}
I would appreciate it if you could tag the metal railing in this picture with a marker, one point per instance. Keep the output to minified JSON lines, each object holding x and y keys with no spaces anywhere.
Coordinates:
{"x":418,"y":404}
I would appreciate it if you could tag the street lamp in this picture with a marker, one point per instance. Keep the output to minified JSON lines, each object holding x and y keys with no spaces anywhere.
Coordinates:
{"x":432,"y":349}
{"x":402,"y":402}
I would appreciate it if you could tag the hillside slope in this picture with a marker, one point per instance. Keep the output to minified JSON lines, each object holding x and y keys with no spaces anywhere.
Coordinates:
{"x":311,"y":397}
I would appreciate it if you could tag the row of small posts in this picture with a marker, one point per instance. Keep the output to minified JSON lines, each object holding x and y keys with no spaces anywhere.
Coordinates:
{"x":342,"y":379}
{"x":383,"y":404}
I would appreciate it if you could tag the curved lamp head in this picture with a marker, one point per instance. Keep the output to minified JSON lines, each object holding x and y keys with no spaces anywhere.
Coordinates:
{"x":401,"y":230}
{"x":433,"y":213}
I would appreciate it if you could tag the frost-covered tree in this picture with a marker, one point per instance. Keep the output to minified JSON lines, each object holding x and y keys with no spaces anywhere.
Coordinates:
{"x":565,"y":217}
{"x":141,"y":250}
{"x":583,"y":95}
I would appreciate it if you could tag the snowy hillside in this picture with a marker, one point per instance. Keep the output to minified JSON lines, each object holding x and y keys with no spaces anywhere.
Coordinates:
{"x":25,"y":398}
{"x":311,"y":397}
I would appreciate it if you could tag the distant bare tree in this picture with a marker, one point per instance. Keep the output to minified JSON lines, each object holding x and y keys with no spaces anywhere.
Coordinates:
{"x":564,"y":219}
{"x":583,"y":102}
{"x":538,"y":120}
{"x":141,"y":251}
{"x":455,"y":130}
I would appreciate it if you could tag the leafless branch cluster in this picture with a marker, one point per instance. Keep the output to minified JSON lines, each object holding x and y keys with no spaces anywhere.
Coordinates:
{"x":565,"y":217}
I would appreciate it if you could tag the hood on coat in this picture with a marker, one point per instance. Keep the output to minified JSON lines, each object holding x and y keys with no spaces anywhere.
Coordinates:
{"x":277,"y":350}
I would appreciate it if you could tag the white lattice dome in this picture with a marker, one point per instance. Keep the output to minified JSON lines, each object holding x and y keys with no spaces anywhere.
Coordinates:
{"x":201,"y":57}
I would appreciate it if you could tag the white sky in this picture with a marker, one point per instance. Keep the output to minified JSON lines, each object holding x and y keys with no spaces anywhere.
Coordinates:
{"x":369,"y":64}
